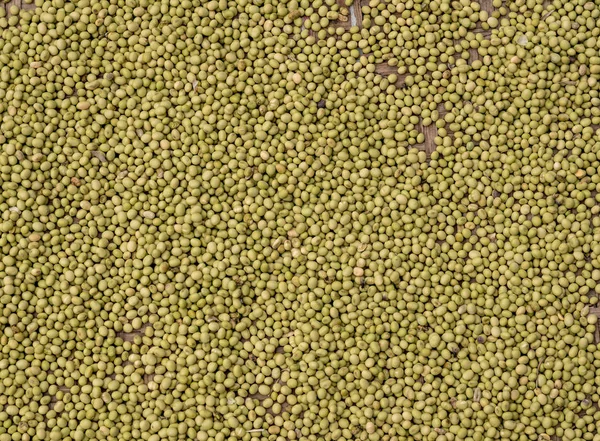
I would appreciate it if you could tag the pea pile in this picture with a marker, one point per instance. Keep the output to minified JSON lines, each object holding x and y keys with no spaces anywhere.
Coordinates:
{"x":220,"y":221}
